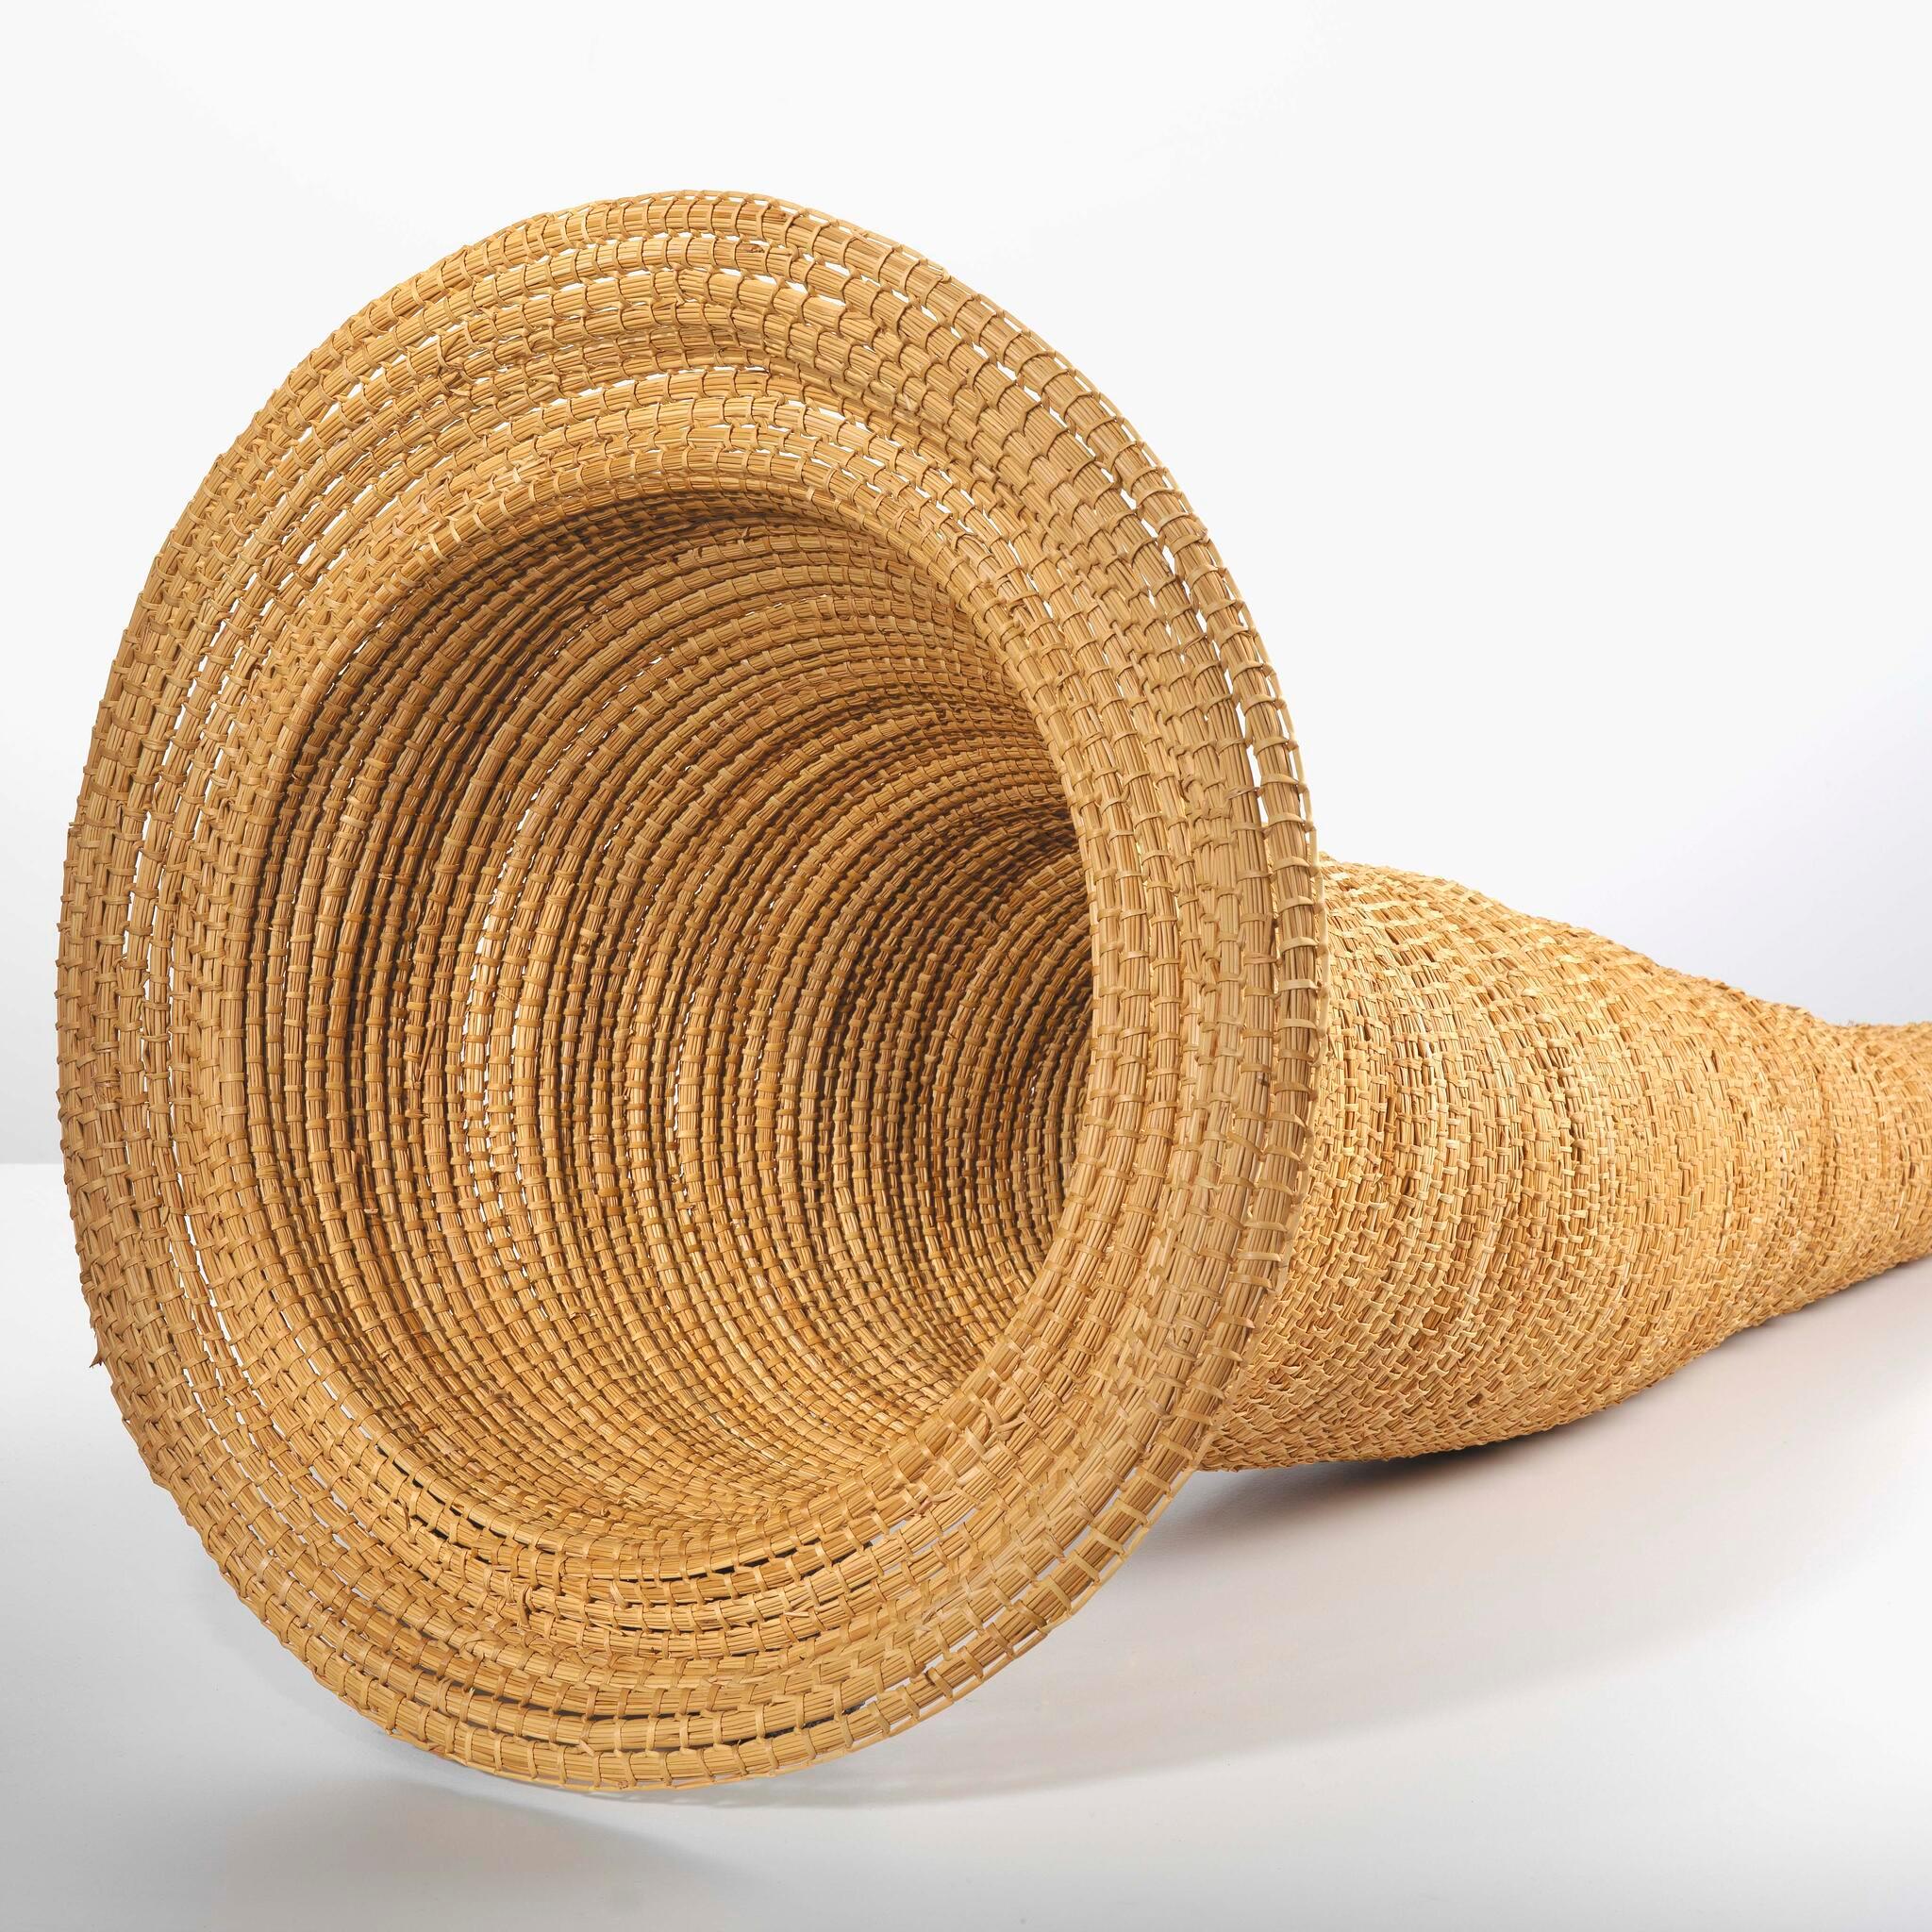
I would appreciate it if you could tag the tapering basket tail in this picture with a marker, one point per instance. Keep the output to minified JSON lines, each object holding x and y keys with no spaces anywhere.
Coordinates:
{"x":704,"y":1050}
{"x":1546,"y":1171}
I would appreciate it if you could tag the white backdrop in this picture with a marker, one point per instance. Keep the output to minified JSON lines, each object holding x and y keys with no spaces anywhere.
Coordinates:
{"x":1557,"y":380}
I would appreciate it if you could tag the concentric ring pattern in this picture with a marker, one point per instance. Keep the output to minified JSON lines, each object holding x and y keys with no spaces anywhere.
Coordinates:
{"x":689,"y":991}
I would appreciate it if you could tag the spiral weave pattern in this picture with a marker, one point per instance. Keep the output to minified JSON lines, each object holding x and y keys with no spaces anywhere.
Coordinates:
{"x":690,"y":979}
{"x":692,"y":985}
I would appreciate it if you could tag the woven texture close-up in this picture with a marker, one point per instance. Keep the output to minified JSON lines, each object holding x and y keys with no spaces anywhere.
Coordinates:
{"x":704,"y":1049}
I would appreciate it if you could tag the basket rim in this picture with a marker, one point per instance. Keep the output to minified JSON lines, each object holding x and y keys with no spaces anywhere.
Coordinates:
{"x":1199,"y":824}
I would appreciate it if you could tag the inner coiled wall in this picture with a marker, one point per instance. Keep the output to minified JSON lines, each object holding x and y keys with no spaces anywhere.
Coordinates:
{"x":674,"y":966}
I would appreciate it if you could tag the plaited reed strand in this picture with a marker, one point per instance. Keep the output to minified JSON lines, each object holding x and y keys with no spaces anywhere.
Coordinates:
{"x":693,"y":987}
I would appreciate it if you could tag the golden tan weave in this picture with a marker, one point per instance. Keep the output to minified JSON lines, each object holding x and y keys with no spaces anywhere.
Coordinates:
{"x":692,"y":988}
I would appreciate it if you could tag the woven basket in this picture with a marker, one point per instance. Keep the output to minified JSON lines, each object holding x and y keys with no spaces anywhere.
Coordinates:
{"x":692,"y":985}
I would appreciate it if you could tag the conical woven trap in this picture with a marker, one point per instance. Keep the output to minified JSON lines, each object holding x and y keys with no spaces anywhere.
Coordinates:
{"x":704,"y":1050}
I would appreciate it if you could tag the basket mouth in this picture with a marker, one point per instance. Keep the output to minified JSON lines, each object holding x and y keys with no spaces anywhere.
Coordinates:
{"x":689,"y":605}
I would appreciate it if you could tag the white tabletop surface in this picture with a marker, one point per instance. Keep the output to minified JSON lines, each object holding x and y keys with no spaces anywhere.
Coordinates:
{"x":1668,"y":1667}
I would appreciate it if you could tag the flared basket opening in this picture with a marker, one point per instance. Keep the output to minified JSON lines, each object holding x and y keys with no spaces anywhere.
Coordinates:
{"x":690,"y":977}
{"x":676,"y":958}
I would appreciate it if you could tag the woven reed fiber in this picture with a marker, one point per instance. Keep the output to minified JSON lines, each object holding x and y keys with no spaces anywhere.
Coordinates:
{"x":692,"y":984}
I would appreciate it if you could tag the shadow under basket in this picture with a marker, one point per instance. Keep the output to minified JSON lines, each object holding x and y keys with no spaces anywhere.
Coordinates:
{"x":705,"y":1050}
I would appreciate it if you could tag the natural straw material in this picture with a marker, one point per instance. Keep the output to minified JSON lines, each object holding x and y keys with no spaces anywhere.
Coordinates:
{"x":692,"y":993}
